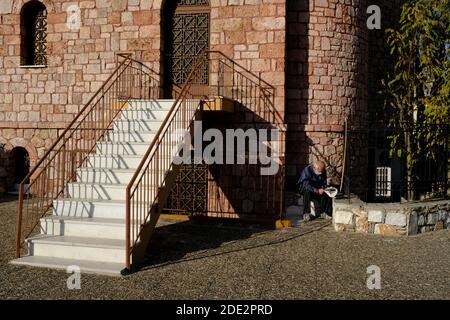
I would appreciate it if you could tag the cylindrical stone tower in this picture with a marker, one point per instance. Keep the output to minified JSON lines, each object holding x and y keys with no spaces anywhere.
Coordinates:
{"x":327,"y":44}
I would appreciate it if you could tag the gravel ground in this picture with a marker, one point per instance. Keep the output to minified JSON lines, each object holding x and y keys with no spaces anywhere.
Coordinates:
{"x":199,"y":260}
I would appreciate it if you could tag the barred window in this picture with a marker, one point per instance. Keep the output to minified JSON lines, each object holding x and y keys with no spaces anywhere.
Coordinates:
{"x":33,"y":34}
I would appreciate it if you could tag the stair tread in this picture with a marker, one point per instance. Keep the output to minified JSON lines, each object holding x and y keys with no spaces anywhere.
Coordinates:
{"x":105,"y":221}
{"x":110,"y":268}
{"x":105,"y":168}
{"x":150,"y":100}
{"x":90,"y":200}
{"x":117,"y":155}
{"x":109,"y":169}
{"x":145,"y":109}
{"x":78,"y":241}
{"x":121,"y":155}
{"x":138,"y":120}
{"x":134,"y":131}
{"x":121,"y":185}
{"x":93,"y":201}
{"x":123,"y":142}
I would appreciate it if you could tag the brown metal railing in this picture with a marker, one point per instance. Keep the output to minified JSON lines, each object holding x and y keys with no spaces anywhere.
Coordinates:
{"x":48,"y":179}
{"x":226,"y":79}
{"x":256,"y":108}
{"x":231,"y":80}
{"x":143,"y":189}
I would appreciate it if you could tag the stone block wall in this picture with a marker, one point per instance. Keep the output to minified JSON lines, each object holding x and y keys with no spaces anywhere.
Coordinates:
{"x":391,"y":219}
{"x":252,"y":32}
{"x":326,"y":80}
{"x":37,"y":102}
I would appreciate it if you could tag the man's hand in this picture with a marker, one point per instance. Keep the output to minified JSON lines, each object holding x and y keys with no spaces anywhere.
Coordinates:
{"x":320,"y":191}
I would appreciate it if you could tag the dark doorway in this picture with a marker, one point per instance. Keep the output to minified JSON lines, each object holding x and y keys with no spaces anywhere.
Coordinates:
{"x":186,"y":35}
{"x":20,"y":164}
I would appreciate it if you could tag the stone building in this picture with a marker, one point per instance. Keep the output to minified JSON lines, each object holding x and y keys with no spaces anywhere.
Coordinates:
{"x":314,"y":52}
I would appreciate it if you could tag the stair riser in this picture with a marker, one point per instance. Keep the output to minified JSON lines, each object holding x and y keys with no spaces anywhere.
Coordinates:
{"x":104,"y":176}
{"x":90,"y":230}
{"x":142,"y":114}
{"x":113,"y":162}
{"x":124,"y":136}
{"x":77,"y":252}
{"x":88,"y":210}
{"x":122,"y":149}
{"x":96,"y":192}
{"x":137,"y":125}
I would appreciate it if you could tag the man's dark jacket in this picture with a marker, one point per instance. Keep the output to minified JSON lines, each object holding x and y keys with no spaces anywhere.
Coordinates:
{"x":311,"y":181}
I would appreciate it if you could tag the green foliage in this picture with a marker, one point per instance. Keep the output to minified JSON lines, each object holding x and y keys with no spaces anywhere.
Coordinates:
{"x":418,"y":89}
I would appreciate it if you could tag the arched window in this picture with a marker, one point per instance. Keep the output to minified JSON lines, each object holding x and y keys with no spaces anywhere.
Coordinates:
{"x":33,"y":27}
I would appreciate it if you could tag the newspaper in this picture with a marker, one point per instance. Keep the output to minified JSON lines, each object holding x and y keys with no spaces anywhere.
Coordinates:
{"x":331,"y":191}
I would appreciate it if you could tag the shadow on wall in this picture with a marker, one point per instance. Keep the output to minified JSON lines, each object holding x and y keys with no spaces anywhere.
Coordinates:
{"x":297,"y":86}
{"x":229,"y":190}
{"x":240,"y":188}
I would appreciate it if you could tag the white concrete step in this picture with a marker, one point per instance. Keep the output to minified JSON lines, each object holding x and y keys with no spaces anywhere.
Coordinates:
{"x":122,"y":148}
{"x":102,"y":191}
{"x":102,"y":175}
{"x":87,"y":229}
{"x":154,"y":104}
{"x":137,"y":125}
{"x":73,"y":207}
{"x":108,"y":176}
{"x":84,"y":227}
{"x":79,"y":248}
{"x":111,"y":161}
{"x":130,"y":136}
{"x":143,"y":114}
{"x":96,"y":191}
{"x":86,"y":266}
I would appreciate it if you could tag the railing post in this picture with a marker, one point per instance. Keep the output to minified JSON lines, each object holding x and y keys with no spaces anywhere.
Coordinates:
{"x":127,"y":230}
{"x":19,"y":221}
{"x":140,"y":81}
{"x":446,"y":157}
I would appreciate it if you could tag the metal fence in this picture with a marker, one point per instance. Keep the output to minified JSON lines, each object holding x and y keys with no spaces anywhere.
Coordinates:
{"x":390,"y":176}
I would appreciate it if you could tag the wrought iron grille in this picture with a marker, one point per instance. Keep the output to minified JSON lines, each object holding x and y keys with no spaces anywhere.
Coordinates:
{"x":385,"y":176}
{"x":193,"y":3}
{"x":40,"y":38}
{"x":190,"y":38}
{"x":190,"y":191}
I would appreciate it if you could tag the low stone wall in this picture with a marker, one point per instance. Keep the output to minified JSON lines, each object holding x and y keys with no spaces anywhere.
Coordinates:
{"x":391,"y":218}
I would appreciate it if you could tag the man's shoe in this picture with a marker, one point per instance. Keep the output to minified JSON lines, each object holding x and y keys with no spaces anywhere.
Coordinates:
{"x":306,"y":217}
{"x":326,"y":216}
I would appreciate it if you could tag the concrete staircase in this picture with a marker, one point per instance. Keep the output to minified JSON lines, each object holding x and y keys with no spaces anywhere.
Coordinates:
{"x":87,"y":229}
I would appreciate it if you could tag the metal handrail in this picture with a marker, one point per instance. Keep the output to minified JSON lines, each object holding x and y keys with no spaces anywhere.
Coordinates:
{"x":267,"y":89}
{"x":143,"y":190}
{"x":143,"y":215}
{"x":48,"y":179}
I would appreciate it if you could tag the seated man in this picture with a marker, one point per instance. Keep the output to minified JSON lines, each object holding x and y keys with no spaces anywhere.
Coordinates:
{"x":312,"y":183}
